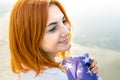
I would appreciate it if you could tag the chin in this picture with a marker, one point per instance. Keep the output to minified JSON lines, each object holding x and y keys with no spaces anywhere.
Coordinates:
{"x":66,"y":48}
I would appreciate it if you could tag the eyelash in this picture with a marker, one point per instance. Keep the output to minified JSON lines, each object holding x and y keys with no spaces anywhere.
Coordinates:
{"x":53,"y":29}
{"x":64,"y":21}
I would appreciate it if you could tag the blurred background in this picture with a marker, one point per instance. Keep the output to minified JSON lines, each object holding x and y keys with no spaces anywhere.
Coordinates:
{"x":96,"y":30}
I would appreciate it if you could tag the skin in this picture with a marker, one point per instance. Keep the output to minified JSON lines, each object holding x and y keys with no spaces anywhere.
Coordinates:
{"x":93,"y":67}
{"x":56,"y":35}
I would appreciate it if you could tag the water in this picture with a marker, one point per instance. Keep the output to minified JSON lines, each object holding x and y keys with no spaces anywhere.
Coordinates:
{"x":101,"y":32}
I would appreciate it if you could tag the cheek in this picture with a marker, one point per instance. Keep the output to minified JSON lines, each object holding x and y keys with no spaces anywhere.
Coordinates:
{"x":51,"y":38}
{"x":49,"y":42}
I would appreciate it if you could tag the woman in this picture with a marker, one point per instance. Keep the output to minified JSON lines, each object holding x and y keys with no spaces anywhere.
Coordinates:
{"x":39,"y":35}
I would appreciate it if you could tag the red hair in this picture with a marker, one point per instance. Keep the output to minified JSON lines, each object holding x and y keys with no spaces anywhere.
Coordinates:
{"x":26,"y":30}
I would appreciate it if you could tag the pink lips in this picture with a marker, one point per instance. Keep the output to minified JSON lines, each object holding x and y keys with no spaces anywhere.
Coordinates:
{"x":64,"y":41}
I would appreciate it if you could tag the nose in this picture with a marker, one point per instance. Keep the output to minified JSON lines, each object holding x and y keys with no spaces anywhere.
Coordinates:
{"x":65,"y":31}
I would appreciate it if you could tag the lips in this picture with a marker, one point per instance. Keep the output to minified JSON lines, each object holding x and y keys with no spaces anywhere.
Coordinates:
{"x":64,"y":41}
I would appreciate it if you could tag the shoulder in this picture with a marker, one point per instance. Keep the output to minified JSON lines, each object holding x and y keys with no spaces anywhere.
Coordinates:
{"x":48,"y":74}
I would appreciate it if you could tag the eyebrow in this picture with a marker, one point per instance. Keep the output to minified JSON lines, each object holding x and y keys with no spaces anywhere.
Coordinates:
{"x":53,"y":23}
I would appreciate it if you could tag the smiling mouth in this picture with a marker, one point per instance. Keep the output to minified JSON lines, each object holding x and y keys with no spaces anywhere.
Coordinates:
{"x":64,"y":41}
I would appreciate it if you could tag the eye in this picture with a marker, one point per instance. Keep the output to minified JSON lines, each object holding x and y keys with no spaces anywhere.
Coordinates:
{"x":53,"y":29}
{"x":64,"y":21}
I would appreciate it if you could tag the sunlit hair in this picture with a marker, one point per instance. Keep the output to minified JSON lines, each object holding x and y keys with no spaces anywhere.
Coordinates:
{"x":26,"y":30}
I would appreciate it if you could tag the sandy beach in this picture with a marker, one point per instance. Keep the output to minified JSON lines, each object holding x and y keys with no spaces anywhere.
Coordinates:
{"x":109,"y":67}
{"x":5,"y":67}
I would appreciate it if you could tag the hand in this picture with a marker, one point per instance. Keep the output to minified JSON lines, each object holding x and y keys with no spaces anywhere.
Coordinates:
{"x":93,"y":67}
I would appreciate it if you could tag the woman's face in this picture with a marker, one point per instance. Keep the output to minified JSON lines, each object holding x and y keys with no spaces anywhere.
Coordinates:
{"x":57,"y":32}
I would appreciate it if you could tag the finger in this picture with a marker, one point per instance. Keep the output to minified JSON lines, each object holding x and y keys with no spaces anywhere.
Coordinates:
{"x":95,"y":70}
{"x":94,"y":63}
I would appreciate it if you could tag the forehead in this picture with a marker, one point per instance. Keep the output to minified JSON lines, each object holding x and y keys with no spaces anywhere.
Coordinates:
{"x":54,"y":13}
